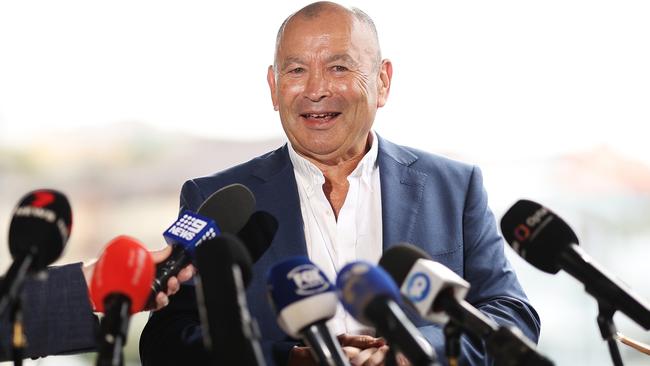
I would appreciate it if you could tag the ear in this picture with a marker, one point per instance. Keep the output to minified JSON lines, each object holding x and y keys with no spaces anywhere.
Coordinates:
{"x":383,"y":82}
{"x":270,"y":78}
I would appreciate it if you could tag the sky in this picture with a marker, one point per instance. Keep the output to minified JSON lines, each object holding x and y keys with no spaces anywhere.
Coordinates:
{"x":504,"y":79}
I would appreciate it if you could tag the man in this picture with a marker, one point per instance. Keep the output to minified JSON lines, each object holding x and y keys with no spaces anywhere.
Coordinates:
{"x":58,"y":313}
{"x":337,"y":182}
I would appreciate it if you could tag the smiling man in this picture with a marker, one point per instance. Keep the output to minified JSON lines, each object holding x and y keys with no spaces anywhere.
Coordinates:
{"x":342,"y":193}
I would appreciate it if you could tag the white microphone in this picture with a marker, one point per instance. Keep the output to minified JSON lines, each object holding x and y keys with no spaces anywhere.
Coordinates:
{"x":304,"y":301}
{"x":438,"y":294}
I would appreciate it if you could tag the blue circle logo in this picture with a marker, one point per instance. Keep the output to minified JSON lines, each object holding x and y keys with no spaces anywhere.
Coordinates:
{"x":418,"y":286}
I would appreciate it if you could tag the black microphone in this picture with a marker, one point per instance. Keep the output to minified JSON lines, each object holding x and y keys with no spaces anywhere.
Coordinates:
{"x":543,"y":239}
{"x":38,"y":232}
{"x":230,"y":334}
{"x":438,"y":295}
{"x":370,"y":296}
{"x":229,"y":208}
{"x":304,"y":300}
{"x":258,"y":233}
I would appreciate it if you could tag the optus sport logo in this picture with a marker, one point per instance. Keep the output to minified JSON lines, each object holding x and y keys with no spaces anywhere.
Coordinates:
{"x":417,"y":287}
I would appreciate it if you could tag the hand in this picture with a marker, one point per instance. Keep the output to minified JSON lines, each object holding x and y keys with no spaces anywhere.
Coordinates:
{"x":173,"y":284}
{"x":351,"y":345}
{"x":363,"y":349}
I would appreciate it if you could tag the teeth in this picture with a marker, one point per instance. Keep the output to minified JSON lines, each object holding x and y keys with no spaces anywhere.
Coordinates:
{"x":323,"y":115}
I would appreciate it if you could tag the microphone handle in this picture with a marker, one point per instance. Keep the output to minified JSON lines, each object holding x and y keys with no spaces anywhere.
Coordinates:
{"x":510,"y":347}
{"x":113,"y":330}
{"x":399,"y":331}
{"x":324,"y":347}
{"x":13,"y":281}
{"x":165,"y":270}
{"x":603,"y":286}
{"x":466,"y":316}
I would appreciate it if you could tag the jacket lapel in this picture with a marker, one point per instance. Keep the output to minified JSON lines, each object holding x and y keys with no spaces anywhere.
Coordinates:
{"x":401,"y":192}
{"x":278,"y":194}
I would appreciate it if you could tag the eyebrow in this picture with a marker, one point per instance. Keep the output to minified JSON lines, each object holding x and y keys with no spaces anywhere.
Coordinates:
{"x":291,"y":60}
{"x":337,"y":57}
{"x":342,"y":57}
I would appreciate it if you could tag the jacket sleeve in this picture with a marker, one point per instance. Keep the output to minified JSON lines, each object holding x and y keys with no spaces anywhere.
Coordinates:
{"x":495,"y":290}
{"x":57,"y":313}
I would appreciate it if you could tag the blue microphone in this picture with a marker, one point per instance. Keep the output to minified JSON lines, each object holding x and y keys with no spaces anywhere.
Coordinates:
{"x":370,"y":295}
{"x":304,"y":299}
{"x":226,"y":210}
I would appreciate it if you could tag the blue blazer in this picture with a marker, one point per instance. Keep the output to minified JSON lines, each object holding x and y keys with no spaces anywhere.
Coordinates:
{"x":435,"y":203}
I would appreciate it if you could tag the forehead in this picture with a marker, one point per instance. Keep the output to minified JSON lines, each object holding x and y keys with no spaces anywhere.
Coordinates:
{"x":329,"y":32}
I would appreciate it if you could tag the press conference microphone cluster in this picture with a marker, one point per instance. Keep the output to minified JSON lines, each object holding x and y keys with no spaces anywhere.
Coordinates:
{"x":438,"y":295}
{"x":304,"y":300}
{"x":119,"y":287}
{"x":39,"y":229}
{"x":372,"y":297}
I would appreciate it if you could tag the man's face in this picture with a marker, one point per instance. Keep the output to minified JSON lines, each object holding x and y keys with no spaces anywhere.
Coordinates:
{"x":328,"y":86}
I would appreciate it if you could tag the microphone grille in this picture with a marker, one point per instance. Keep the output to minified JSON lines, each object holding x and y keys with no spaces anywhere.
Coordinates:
{"x":214,"y":255}
{"x":40,"y":225}
{"x":537,"y":234}
{"x":399,"y":259}
{"x":230,"y":207}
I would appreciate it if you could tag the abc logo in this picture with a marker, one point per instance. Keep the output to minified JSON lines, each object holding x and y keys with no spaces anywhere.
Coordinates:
{"x":417,"y":287}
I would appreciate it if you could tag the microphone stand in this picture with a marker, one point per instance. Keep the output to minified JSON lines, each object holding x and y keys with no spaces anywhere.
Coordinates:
{"x":18,"y":341}
{"x":608,"y":330}
{"x":452,"y":342}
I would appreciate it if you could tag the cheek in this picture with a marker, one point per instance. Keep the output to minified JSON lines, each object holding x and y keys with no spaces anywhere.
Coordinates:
{"x":290,"y":90}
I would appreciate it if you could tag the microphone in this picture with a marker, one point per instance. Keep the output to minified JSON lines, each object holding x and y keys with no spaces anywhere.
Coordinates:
{"x":119,"y":288}
{"x":304,"y":301}
{"x":39,"y":229}
{"x":230,"y":333}
{"x":226,"y":210}
{"x":438,"y":295}
{"x":370,"y":295}
{"x":543,"y":239}
{"x":258,"y":233}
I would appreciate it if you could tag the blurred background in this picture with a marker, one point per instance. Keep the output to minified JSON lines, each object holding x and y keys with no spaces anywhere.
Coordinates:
{"x":117,"y":103}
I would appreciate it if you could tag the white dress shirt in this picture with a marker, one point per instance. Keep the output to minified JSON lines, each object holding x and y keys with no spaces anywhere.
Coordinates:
{"x":356,"y":235}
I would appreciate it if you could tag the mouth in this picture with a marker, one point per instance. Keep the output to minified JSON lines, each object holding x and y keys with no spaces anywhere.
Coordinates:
{"x":320,"y":117}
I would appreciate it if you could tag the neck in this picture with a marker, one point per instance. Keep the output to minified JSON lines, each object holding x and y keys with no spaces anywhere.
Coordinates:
{"x":336,"y":173}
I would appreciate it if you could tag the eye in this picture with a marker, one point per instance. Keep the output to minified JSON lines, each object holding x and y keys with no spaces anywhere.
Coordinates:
{"x":339,"y":68}
{"x":296,"y":70}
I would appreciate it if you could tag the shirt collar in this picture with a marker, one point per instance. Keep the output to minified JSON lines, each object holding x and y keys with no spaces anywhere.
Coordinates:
{"x":311,"y":175}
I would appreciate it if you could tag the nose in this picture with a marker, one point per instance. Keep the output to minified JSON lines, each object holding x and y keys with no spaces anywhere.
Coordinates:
{"x":318,"y":86}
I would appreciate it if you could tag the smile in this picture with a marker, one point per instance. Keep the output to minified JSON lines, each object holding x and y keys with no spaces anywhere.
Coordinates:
{"x":320,"y":116}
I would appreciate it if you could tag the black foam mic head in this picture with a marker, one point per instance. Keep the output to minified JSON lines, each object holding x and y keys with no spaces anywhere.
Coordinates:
{"x":258,"y":233}
{"x":537,"y":234}
{"x":230,"y":207}
{"x":217,"y":254}
{"x":40,"y":226}
{"x":399,"y":259}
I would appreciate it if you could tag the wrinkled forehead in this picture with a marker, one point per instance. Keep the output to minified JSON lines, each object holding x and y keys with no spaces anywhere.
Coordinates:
{"x":336,"y":32}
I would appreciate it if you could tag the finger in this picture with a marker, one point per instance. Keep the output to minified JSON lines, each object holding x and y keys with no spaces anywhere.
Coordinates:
{"x":360,"y":341}
{"x":172,"y":285}
{"x":402,"y":360}
{"x":161,"y":301}
{"x":161,"y":254}
{"x":363,"y":356}
{"x":378,"y":357}
{"x":350,"y":352}
{"x":186,"y":273}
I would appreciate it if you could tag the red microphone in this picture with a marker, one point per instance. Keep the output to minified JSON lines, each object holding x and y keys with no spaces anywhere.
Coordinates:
{"x":120,"y":286}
